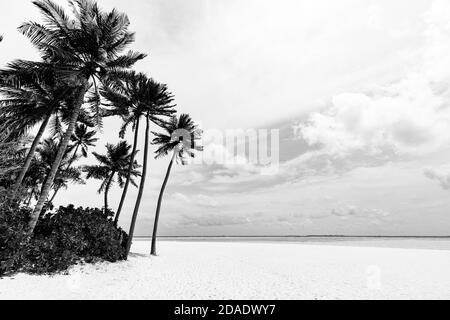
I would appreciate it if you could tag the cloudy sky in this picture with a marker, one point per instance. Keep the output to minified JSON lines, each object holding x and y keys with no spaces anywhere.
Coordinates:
{"x":358,"y":89}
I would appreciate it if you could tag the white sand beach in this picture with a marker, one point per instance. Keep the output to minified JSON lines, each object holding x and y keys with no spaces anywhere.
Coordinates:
{"x":239,"y":270}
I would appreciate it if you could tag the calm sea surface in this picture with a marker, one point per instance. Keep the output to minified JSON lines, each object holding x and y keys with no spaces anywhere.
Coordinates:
{"x":437,"y":243}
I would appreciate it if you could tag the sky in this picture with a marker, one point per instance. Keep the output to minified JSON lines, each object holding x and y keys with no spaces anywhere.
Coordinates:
{"x":357,"y":89}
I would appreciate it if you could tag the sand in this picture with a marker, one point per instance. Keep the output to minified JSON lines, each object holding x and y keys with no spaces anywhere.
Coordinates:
{"x":223,"y":270}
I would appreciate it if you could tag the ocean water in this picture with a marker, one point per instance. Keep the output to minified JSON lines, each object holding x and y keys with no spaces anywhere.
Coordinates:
{"x":431,"y":243}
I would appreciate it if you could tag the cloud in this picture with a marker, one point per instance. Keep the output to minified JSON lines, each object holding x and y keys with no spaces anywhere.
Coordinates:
{"x":349,"y":211}
{"x":441,"y":175}
{"x":200,"y":200}
{"x":409,"y":117}
{"x":213,"y":220}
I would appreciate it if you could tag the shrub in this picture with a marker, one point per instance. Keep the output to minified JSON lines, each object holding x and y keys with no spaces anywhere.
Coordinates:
{"x":62,"y":239}
{"x":13,"y":226}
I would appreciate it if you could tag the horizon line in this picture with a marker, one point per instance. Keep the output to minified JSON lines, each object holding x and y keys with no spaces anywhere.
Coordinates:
{"x":306,"y":236}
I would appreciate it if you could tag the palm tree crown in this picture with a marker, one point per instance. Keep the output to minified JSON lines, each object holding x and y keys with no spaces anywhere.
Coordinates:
{"x":114,"y":162}
{"x":179,"y":135}
{"x":83,"y":138}
{"x":137,"y":96}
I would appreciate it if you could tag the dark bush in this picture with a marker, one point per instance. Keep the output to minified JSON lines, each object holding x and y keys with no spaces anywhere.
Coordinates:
{"x":13,"y":226}
{"x":60,"y":240}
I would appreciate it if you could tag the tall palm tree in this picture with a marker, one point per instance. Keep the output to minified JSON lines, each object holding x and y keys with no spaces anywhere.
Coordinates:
{"x":114,"y":162}
{"x":138,"y":97}
{"x":178,"y":137}
{"x":84,"y":47}
{"x":11,"y":156}
{"x":28,"y":103}
{"x":132,"y":99}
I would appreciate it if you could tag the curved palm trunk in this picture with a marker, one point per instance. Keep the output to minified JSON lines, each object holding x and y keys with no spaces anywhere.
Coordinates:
{"x":67,"y":168}
{"x":130,"y":168}
{"x":158,"y":208}
{"x":74,"y":155}
{"x":61,"y":151}
{"x":54,"y":195}
{"x":141,"y":189}
{"x":30,"y":155}
{"x":30,"y":198}
{"x":107,"y":187}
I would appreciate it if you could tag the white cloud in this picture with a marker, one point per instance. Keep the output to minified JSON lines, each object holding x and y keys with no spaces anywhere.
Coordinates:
{"x":409,"y":117}
{"x":196,"y":200}
{"x":350,"y":211}
{"x":213,"y":220}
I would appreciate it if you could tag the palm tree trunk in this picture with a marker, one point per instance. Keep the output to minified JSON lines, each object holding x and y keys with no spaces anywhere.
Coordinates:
{"x":108,"y":185}
{"x":54,"y":195}
{"x":30,"y":198}
{"x":73,"y":157}
{"x":158,"y":208}
{"x":141,"y":189}
{"x":30,"y":155}
{"x":130,"y":169}
{"x":61,"y":151}
{"x":67,"y":168}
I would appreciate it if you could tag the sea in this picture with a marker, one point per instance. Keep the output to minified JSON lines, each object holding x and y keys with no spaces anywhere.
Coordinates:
{"x":404,"y":242}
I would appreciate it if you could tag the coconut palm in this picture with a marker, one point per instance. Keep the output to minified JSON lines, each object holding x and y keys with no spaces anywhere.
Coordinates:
{"x":42,"y":164}
{"x":179,"y":137}
{"x":114,"y":162}
{"x":28,"y":103}
{"x":137,"y":97}
{"x":12,"y":153}
{"x":84,"y":47}
{"x":47,"y":153}
{"x":82,"y":138}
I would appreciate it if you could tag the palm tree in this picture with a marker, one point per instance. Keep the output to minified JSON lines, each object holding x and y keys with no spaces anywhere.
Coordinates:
{"x":131,"y":99}
{"x":42,"y":164}
{"x":114,"y":162}
{"x":83,"y":138}
{"x":138,"y":96}
{"x":28,"y":103}
{"x":179,"y":137}
{"x":11,"y":156}
{"x":84,"y":47}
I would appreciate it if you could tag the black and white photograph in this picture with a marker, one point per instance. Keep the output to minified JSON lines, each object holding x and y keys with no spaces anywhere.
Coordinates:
{"x":224,"y":150}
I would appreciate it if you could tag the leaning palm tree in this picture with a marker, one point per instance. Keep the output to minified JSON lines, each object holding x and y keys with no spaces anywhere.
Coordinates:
{"x":179,"y":138}
{"x":84,"y":47}
{"x":11,"y":157}
{"x":114,"y":162}
{"x":139,"y":96}
{"x":28,"y":103}
{"x":136,"y":97}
